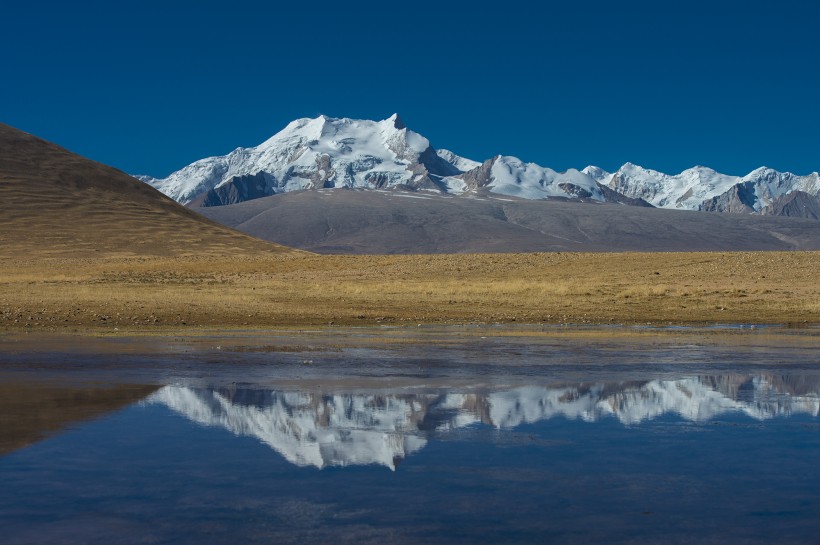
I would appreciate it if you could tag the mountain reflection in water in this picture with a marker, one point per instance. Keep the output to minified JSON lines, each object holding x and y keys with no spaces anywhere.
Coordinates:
{"x":343,"y":429}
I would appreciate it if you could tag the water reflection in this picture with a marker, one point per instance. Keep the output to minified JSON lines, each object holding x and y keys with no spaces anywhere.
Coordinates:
{"x":342,"y":429}
{"x":30,"y":412}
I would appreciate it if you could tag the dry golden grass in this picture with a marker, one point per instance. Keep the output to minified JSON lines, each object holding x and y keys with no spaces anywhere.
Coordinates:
{"x":261,"y":290}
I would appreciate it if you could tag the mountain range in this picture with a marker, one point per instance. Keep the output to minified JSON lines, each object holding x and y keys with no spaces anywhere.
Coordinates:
{"x":325,"y":153}
{"x":57,"y":203}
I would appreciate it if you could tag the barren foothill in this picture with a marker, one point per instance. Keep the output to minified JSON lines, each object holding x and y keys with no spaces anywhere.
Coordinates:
{"x":342,"y":221}
{"x":56,"y":204}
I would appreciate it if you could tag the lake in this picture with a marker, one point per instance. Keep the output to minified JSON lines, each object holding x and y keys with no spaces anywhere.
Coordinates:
{"x":413,"y":435}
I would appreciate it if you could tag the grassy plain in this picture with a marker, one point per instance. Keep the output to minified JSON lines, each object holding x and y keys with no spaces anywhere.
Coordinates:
{"x":252,"y":289}
{"x":83,"y":245}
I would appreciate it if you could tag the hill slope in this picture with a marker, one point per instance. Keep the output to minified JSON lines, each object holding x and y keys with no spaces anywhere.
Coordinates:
{"x":55,"y":203}
{"x":404,"y":222}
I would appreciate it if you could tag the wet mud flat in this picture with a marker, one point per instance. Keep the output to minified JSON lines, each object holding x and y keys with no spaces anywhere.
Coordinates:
{"x":404,"y":435}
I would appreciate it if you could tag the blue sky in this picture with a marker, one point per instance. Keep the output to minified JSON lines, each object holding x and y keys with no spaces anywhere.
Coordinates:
{"x":151,"y":86}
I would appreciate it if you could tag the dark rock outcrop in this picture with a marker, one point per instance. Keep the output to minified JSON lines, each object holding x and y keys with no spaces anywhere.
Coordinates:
{"x":238,"y":189}
{"x":613,"y":196}
{"x":479,"y":176}
{"x":740,"y":199}
{"x":575,"y":190}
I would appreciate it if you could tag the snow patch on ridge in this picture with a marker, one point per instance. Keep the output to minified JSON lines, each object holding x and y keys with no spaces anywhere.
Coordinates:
{"x":513,"y":177}
{"x":457,"y":161}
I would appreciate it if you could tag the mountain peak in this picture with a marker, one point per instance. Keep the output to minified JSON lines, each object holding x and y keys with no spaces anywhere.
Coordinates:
{"x":397,"y":122}
{"x":597,"y":173}
{"x":761,"y":171}
{"x":698,"y":170}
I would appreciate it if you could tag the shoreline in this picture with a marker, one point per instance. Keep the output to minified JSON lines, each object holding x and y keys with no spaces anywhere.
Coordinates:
{"x":384,"y":335}
{"x":503,"y":328}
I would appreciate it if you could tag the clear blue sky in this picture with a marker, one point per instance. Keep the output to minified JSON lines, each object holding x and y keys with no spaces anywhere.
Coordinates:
{"x":149,"y":87}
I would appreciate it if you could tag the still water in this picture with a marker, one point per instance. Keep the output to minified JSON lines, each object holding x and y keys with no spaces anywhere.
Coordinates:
{"x":424,"y":438}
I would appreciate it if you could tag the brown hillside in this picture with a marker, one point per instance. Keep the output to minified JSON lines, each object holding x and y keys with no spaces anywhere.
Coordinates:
{"x":54,"y":203}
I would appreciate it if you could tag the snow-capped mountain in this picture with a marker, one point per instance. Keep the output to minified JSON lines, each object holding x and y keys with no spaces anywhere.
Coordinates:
{"x":375,"y":428}
{"x":513,"y":177}
{"x":701,"y":188}
{"x":312,"y":154}
{"x":460,"y":163}
{"x":328,"y":152}
{"x":360,"y":154}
